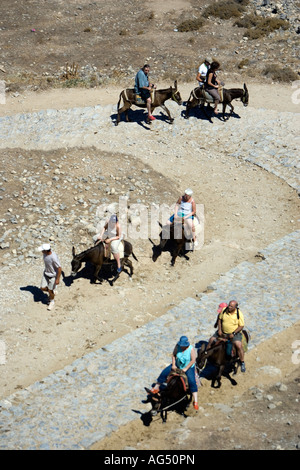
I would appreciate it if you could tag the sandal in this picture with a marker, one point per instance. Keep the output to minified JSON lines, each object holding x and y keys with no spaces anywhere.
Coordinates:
{"x":196,"y":407}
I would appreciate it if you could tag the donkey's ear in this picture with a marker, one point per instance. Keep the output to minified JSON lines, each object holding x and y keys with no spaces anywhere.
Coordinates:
{"x":175,"y":85}
{"x":245,"y":87}
{"x":73,"y":251}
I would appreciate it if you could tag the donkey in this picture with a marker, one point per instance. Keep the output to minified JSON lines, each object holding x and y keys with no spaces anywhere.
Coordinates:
{"x":96,"y":256}
{"x":175,"y":234}
{"x":176,"y":396}
{"x":129,"y":98}
{"x":218,"y":356}
{"x":200,"y":96}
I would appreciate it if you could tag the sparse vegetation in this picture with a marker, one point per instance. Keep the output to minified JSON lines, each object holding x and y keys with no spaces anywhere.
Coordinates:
{"x":190,"y":25}
{"x":279,"y":74}
{"x":226,"y":9}
{"x":243,"y":63}
{"x":257,"y":27}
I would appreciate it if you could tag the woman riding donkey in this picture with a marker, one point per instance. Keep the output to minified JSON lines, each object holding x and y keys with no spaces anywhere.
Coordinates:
{"x":212,"y":84}
{"x":185,"y":210}
{"x":111,"y":236}
{"x":183,"y":358}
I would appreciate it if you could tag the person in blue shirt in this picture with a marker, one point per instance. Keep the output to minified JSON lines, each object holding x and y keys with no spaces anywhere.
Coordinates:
{"x":143,"y":87}
{"x":184,"y":358}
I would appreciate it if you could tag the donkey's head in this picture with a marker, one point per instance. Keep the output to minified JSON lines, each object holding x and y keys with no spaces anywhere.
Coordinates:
{"x":245,"y":97}
{"x":75,"y":263}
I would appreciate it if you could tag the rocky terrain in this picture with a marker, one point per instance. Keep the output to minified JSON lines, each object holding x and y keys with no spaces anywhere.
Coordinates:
{"x":83,"y":43}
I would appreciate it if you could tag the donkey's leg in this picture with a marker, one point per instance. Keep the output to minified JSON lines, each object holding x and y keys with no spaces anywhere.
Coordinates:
{"x":96,"y":272}
{"x":164,"y":107}
{"x":127,"y":262}
{"x":124,"y":109}
{"x":231,"y":111}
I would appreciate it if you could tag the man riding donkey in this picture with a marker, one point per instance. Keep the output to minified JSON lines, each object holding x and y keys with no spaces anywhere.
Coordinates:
{"x":230,"y":324}
{"x":143,"y":87}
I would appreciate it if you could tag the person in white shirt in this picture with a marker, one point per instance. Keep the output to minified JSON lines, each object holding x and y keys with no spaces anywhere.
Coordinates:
{"x":51,"y":274}
{"x":202,"y":71}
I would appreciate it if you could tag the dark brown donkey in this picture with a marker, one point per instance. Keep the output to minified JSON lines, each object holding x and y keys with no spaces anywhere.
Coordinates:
{"x":175,"y":397}
{"x":217,"y":355}
{"x":175,"y":236}
{"x":95,"y":256}
{"x":129,"y":98}
{"x":199,"y":96}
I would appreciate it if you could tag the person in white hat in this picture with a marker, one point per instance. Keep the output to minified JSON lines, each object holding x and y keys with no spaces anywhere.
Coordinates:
{"x":51,"y":274}
{"x":186,"y":209}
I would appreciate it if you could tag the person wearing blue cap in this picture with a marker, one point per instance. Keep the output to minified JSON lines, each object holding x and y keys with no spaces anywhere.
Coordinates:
{"x":183,"y":358}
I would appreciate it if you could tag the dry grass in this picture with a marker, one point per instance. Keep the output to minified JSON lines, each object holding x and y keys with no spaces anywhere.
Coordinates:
{"x":257,"y":27}
{"x":190,"y":25}
{"x":279,"y":74}
{"x":226,"y":9}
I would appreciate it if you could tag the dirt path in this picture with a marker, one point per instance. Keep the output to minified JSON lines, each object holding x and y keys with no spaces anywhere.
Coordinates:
{"x":40,"y":342}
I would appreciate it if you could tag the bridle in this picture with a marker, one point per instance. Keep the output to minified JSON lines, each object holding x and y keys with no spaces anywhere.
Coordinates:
{"x":243,"y":98}
{"x":174,"y":97}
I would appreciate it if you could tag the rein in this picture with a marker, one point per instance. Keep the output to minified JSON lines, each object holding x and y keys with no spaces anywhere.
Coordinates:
{"x":172,"y":404}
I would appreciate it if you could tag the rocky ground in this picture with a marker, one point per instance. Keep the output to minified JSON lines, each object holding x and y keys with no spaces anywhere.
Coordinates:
{"x":81,"y":43}
{"x":59,"y":167}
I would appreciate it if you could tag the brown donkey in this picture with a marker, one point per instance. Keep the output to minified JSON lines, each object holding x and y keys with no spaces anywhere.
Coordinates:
{"x":129,"y":98}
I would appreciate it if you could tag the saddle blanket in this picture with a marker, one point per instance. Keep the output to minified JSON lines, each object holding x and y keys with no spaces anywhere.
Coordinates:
{"x":182,"y":375}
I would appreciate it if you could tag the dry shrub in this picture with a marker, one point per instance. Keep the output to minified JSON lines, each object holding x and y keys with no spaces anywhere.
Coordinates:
{"x":243,"y":63}
{"x":279,"y":74}
{"x":190,"y":25}
{"x":257,"y":27}
{"x":226,"y":9}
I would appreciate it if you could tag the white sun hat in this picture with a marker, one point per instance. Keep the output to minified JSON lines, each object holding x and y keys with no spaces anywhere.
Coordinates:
{"x":188,"y":191}
{"x":44,"y":247}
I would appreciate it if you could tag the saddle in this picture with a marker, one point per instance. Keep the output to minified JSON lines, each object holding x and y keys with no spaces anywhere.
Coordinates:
{"x":139,"y":99}
{"x":204,"y":95}
{"x":182,"y":375}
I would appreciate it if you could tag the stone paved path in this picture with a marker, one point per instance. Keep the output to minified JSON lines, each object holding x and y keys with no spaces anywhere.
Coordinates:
{"x":82,"y":403}
{"x":73,"y":408}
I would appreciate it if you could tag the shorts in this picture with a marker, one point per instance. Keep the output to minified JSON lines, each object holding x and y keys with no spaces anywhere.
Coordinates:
{"x":48,"y":282}
{"x":237,"y":337}
{"x":214,"y":93}
{"x":180,"y":214}
{"x":145,"y":94}
{"x":114,"y":245}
